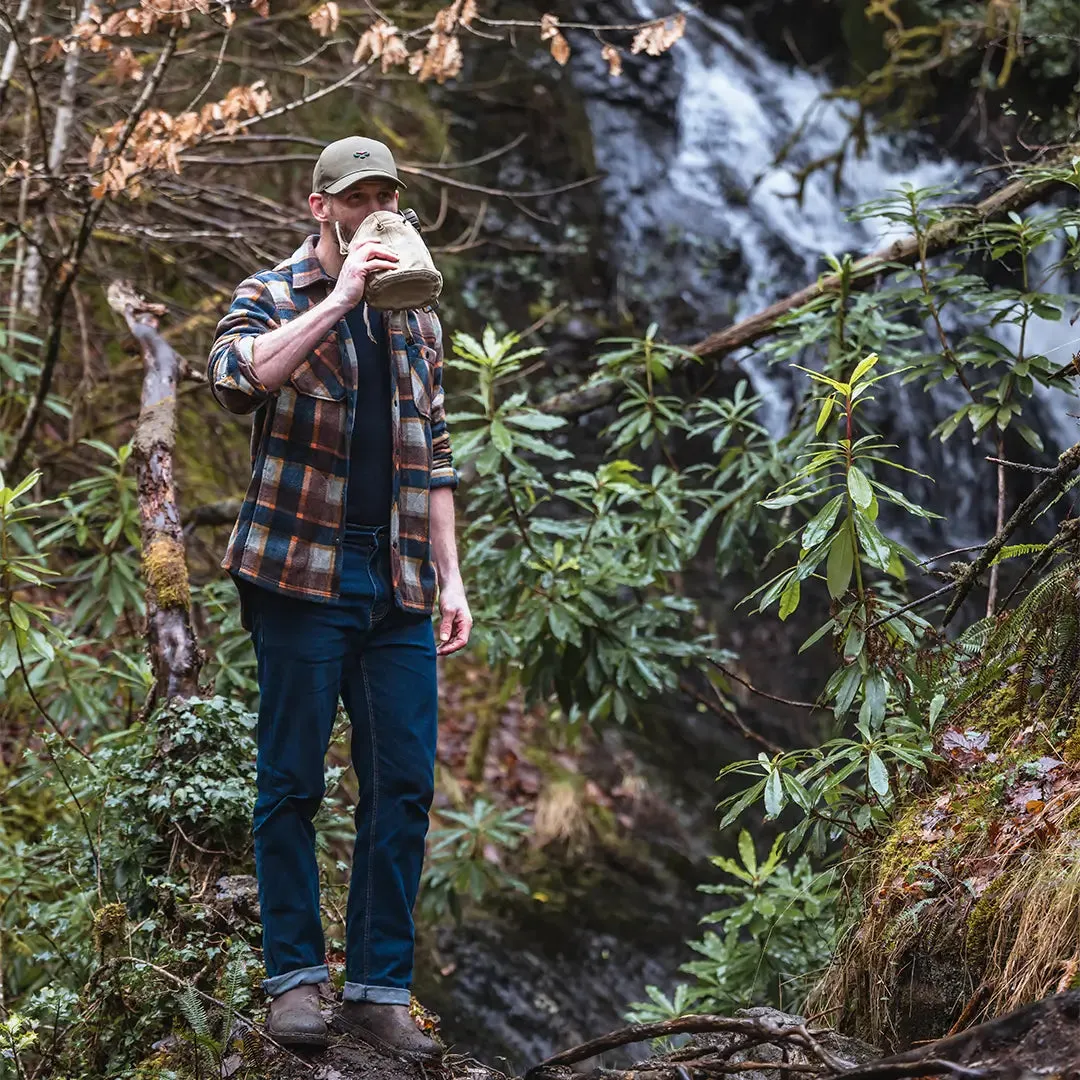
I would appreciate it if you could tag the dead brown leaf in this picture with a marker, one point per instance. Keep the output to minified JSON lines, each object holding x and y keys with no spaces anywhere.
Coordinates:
{"x":125,"y":67}
{"x":560,"y":48}
{"x":325,"y":18}
{"x":658,"y":37}
{"x":381,"y":41}
{"x":614,"y":60}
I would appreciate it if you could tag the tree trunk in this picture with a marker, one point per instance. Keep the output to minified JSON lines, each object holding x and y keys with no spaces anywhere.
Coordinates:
{"x":65,"y":114}
{"x":174,"y":652}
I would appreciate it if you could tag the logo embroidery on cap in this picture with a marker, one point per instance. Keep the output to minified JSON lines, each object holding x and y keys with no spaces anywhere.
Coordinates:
{"x":362,"y":153}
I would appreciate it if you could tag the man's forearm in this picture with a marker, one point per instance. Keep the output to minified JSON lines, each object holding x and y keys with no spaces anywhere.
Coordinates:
{"x":277,"y":354}
{"x":443,"y":539}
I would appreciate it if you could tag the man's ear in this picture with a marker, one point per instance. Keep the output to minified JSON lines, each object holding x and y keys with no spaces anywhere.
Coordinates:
{"x":319,"y":202}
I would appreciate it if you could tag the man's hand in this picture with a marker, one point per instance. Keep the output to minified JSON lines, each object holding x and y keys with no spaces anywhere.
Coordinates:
{"x":364,"y":259}
{"x":456,"y":622}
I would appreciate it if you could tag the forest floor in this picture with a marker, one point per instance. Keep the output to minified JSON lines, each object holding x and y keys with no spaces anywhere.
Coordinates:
{"x":1038,"y":1040}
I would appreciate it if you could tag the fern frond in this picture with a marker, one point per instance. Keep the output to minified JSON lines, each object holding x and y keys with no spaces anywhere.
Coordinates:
{"x":231,"y":986}
{"x":194,"y":1012}
{"x":1014,"y":551}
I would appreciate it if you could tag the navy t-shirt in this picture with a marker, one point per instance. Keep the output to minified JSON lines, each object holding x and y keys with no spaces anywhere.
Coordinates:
{"x":371,"y":459}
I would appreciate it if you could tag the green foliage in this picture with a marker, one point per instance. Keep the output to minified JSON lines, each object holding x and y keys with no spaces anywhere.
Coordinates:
{"x":886,"y":691}
{"x":779,"y":930}
{"x":1033,"y":650}
{"x":989,"y":49}
{"x":43,"y":658}
{"x":573,"y":570}
{"x":96,"y":875}
{"x":214,"y":1034}
{"x":465,"y":858}
{"x":102,"y":518}
{"x":27,"y":633}
{"x":230,"y":659}
{"x":845,"y":784}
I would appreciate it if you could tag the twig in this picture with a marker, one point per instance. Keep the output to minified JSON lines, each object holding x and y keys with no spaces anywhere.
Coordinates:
{"x":954,"y":551}
{"x":720,"y":1067}
{"x":191,"y":843}
{"x":910,"y":606}
{"x":213,"y":74}
{"x":1019,"y":465}
{"x":71,"y":265}
{"x":534,"y":24}
{"x":1052,"y":485}
{"x":729,"y":717}
{"x":995,"y":569}
{"x":964,"y":1018}
{"x":69,"y":742}
{"x":482,"y":159}
{"x":1067,"y":531}
{"x":503,"y":192}
{"x":7,"y":69}
{"x":926,"y":1067}
{"x":32,"y":83}
{"x":82,"y":818}
{"x":762,"y":693}
{"x":543,"y":320}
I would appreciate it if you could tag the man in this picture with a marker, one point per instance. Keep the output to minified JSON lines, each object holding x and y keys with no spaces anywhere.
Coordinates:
{"x":347,"y":528}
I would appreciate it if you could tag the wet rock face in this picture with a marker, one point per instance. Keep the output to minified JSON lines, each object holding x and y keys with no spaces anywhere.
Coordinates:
{"x":696,"y":222}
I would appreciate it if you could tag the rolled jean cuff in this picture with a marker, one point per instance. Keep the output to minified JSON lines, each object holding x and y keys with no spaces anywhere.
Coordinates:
{"x":280,"y":984}
{"x":377,"y":995}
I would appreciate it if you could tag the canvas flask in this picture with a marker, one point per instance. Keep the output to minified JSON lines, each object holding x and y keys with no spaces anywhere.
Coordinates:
{"x":414,"y":282}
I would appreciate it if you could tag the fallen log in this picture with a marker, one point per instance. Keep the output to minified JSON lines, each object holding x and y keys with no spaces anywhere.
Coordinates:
{"x":174,"y":652}
{"x":763,"y":1044}
{"x":940,"y":237}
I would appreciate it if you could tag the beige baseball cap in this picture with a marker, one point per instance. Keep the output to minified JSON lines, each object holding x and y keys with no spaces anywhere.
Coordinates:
{"x":346,"y":161}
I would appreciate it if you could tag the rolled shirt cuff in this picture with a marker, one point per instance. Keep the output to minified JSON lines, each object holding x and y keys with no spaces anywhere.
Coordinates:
{"x":443,"y":476}
{"x":280,"y":984}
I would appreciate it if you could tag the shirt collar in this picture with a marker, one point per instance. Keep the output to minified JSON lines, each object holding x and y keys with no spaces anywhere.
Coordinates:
{"x":305,"y":265}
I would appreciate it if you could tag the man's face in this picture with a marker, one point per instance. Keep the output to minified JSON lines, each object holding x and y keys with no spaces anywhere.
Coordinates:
{"x":351,"y":206}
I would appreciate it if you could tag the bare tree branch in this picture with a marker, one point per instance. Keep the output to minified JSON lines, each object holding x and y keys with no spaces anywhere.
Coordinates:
{"x":1054,"y":483}
{"x":7,"y":69}
{"x":71,"y":265}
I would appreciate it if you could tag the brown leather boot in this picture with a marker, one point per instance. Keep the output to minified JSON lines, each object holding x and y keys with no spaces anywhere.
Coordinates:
{"x":295,"y":1018}
{"x":389,"y":1028}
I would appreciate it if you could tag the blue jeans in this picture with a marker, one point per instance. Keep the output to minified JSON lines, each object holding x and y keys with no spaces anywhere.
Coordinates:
{"x":381,"y":661}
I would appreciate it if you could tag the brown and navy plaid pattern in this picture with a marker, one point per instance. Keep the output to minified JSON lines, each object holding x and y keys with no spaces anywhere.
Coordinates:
{"x":290,"y":528}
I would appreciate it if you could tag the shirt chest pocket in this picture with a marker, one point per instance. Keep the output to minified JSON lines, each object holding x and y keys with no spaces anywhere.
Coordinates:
{"x":322,"y":374}
{"x":421,"y":376}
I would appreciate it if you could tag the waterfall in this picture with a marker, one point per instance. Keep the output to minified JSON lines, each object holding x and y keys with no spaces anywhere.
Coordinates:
{"x":705,"y":230}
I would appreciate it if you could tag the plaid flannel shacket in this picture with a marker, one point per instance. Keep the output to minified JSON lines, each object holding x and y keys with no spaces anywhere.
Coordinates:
{"x":288,"y":535}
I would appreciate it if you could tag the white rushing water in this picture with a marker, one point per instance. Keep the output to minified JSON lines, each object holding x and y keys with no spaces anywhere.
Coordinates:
{"x":690,"y":164}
